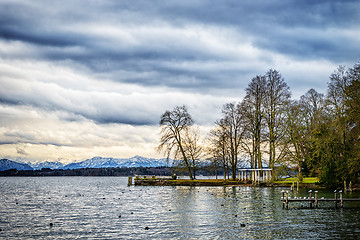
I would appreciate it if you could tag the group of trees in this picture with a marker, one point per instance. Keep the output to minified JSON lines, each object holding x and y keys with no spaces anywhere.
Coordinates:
{"x":318,"y":134}
{"x":254,"y":126}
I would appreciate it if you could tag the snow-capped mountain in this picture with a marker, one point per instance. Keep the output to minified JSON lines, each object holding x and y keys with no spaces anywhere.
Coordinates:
{"x":41,"y":165}
{"x":95,"y":162}
{"x":6,"y":164}
{"x":100,"y":162}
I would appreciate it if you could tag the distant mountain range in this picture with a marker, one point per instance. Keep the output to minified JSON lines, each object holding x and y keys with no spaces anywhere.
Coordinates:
{"x":95,"y":162}
{"x":6,"y":164}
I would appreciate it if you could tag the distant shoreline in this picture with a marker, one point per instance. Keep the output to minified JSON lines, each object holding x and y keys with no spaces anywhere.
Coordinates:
{"x":91,"y":172}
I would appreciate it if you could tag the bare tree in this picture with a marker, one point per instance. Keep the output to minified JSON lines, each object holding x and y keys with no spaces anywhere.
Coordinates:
{"x":219,"y":147}
{"x":336,"y":98}
{"x":276,"y":98}
{"x":313,"y":104}
{"x":192,"y":147}
{"x":295,"y":139}
{"x":252,"y":108}
{"x":174,"y":125}
{"x":234,"y":131}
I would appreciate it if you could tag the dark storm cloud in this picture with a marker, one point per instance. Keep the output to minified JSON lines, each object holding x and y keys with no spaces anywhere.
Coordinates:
{"x":294,"y":28}
{"x":192,"y":46}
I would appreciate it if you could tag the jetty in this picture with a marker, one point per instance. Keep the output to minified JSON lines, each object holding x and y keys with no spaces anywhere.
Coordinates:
{"x":315,"y":200}
{"x":260,"y":177}
{"x":173,"y":181}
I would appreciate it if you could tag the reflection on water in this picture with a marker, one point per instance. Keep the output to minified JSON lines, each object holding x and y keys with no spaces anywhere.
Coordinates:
{"x":105,"y":208}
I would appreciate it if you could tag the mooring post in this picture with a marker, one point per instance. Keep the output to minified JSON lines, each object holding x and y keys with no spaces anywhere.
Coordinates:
{"x":292,"y":186}
{"x":287,"y":199}
{"x":283,"y":198}
{"x":310,"y":202}
{"x":335,"y":199}
{"x":129,"y":181}
{"x":316,"y":199}
{"x":341,"y":199}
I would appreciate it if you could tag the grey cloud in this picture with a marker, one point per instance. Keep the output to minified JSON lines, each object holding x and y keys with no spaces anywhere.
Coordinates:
{"x":292,"y":28}
{"x":148,"y":44}
{"x":21,"y":151}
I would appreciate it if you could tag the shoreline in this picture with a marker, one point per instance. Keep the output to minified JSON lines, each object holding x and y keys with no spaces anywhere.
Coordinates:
{"x":213,"y":182}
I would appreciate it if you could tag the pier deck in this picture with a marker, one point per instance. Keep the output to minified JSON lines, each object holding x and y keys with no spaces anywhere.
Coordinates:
{"x":315,"y":200}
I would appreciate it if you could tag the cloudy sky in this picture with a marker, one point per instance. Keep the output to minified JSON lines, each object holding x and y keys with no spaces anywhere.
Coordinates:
{"x":91,"y":78}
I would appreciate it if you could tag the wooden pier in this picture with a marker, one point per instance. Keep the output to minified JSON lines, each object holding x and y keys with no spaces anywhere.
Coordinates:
{"x":314,"y":200}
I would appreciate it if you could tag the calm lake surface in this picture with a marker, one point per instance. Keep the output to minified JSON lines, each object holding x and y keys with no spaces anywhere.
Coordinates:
{"x":105,"y":208}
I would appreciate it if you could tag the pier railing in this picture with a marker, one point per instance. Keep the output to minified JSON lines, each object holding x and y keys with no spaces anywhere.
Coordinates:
{"x":314,"y":200}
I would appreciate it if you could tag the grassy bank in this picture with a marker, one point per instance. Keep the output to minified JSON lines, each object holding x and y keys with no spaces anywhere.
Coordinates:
{"x":308,"y":180}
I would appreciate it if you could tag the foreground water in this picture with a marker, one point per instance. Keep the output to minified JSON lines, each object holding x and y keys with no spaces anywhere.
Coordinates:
{"x":105,"y":208}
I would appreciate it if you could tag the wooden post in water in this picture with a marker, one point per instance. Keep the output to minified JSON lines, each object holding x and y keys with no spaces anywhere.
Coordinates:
{"x":310,"y":202}
{"x":316,"y":199}
{"x":287,"y":199}
{"x":283,"y":196}
{"x":341,"y":199}
{"x":129,"y":181}
{"x":297,"y":186}
{"x":335,"y":199}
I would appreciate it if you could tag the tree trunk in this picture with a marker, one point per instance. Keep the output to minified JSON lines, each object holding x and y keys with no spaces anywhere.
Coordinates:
{"x":224,"y":166}
{"x":185,"y":160}
{"x":300,"y":173}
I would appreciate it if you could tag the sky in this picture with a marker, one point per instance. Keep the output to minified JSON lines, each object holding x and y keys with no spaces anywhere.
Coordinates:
{"x":80,"y":79}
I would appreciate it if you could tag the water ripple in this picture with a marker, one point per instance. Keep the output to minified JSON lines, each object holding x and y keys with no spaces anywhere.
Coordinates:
{"x":105,"y":208}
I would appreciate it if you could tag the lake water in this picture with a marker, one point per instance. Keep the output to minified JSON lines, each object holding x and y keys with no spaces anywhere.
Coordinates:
{"x":105,"y":208}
